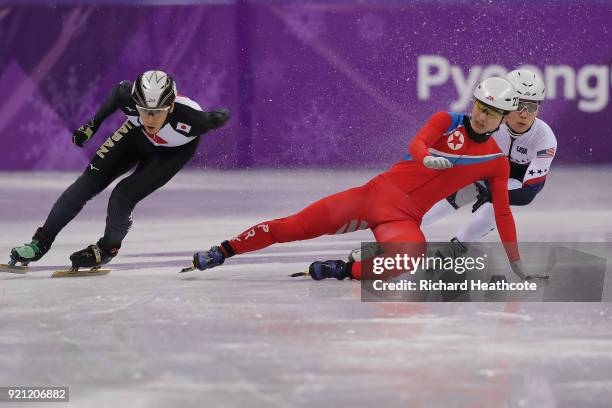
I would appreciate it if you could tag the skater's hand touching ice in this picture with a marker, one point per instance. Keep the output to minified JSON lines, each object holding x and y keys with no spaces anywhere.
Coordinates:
{"x":519,"y":269}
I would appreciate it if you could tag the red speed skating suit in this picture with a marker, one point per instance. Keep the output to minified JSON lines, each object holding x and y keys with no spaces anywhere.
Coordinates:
{"x":393,"y":203}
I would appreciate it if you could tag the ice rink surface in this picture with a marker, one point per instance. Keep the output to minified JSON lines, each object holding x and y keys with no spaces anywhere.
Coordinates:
{"x":246,"y":334}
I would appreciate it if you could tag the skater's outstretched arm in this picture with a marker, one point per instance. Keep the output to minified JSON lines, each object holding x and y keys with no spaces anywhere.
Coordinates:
{"x":203,"y":121}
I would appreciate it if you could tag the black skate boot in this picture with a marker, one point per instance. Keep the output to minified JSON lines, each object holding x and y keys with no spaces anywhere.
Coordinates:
{"x":93,"y":256}
{"x":329,"y":269}
{"x":33,"y":251}
{"x":215,"y":256}
{"x":209,"y":259}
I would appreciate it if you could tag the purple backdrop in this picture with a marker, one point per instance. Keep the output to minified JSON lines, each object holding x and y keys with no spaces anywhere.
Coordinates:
{"x":309,"y":84}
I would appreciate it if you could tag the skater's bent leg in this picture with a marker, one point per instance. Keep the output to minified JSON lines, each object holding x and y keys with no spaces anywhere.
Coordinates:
{"x":71,"y":202}
{"x":402,"y":237}
{"x":326,"y":216}
{"x":115,"y":157}
{"x":450,"y":204}
{"x":482,"y":222}
{"x":151,"y":174}
{"x":103,"y":169}
{"x":118,"y":219}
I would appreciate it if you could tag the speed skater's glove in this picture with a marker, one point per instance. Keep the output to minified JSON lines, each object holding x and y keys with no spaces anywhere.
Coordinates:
{"x":484,"y":196}
{"x":437,"y":163}
{"x":519,"y":269}
{"x":218,"y":117}
{"x":84,"y":133}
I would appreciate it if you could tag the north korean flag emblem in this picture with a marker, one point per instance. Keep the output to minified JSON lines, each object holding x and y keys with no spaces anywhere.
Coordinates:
{"x":455,"y":140}
{"x":183,"y":127}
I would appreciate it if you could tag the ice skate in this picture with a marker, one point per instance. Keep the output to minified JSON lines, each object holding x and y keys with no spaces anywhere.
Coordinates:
{"x":206,"y":259}
{"x":319,"y":270}
{"x":92,"y":257}
{"x":12,"y":267}
{"x":27,"y":253}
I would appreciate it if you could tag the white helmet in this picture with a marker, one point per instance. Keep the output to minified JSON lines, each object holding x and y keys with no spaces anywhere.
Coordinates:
{"x":528,"y":84}
{"x":154,"y":89}
{"x":498,"y":93}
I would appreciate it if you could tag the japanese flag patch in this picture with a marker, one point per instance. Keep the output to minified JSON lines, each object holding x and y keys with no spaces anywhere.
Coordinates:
{"x":183,"y":127}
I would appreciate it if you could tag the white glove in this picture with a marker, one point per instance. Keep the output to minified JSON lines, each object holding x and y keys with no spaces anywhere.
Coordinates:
{"x":437,"y":163}
{"x":519,"y":269}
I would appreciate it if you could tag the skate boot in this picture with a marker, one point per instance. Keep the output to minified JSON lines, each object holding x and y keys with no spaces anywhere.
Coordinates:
{"x":33,"y":251}
{"x":453,"y":250}
{"x":329,"y":269}
{"x":93,"y":256}
{"x":209,"y":259}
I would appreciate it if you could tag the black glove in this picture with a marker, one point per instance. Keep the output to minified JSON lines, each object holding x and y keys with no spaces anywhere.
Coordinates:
{"x":84,"y":133}
{"x":218,"y":117}
{"x":484,"y":196}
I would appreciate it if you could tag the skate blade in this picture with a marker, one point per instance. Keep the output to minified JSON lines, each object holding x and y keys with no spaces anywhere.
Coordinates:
{"x":298,"y":274}
{"x":537,"y":277}
{"x":189,"y":268}
{"x":14,"y":268}
{"x":84,"y":272}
